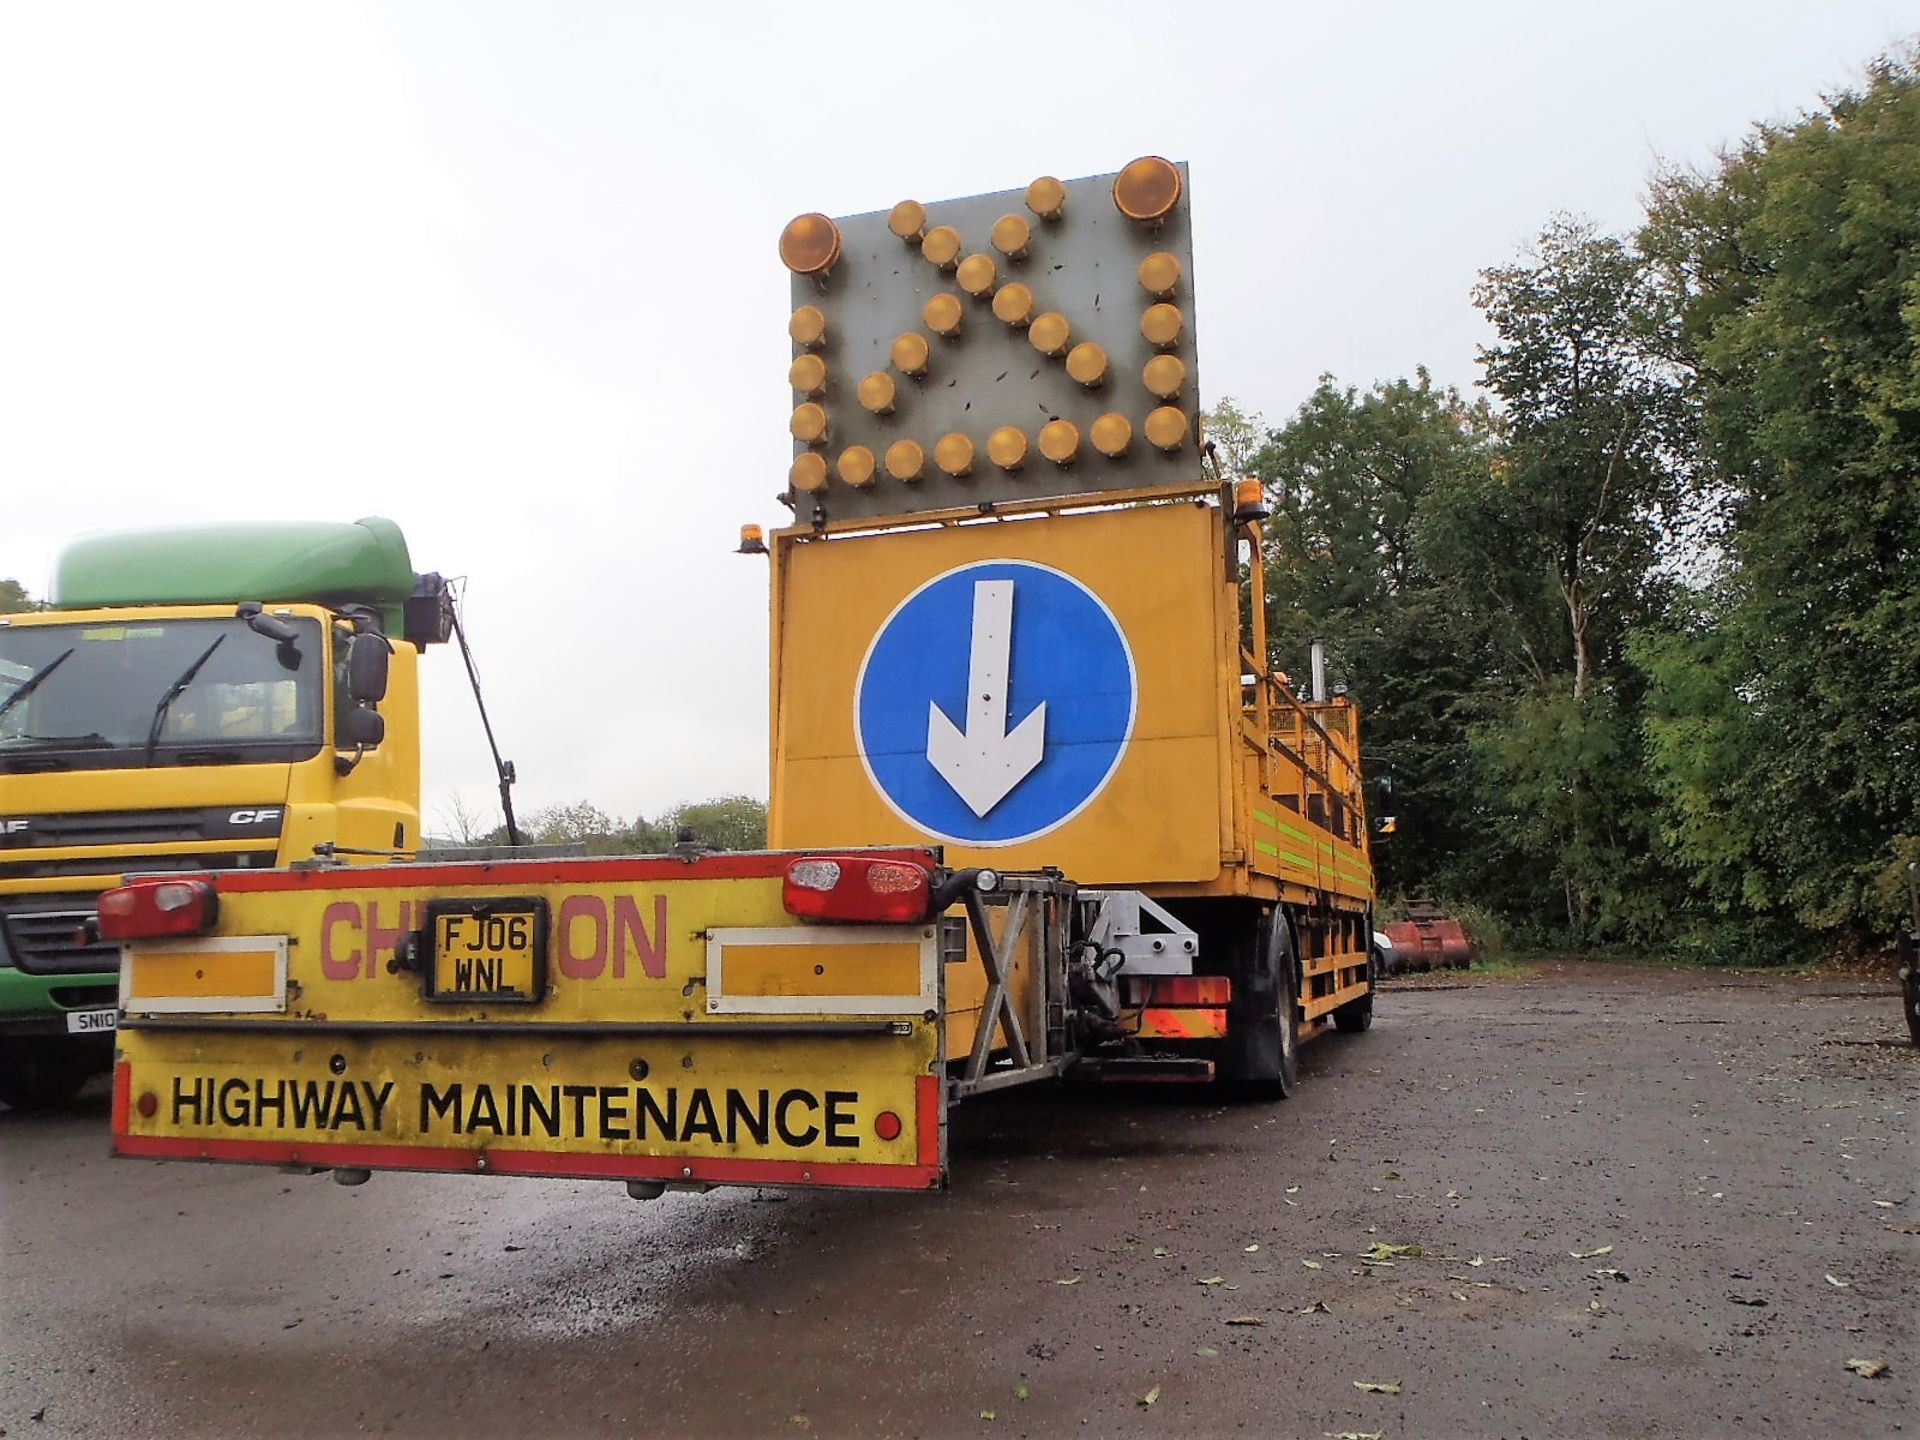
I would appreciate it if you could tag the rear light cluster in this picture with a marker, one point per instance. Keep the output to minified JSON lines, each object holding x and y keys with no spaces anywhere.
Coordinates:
{"x":858,"y":888}
{"x":146,"y":909}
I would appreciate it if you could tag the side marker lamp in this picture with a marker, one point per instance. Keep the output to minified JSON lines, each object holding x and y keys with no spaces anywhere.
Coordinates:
{"x":942,"y":246}
{"x":906,"y":461}
{"x":1087,"y":363}
{"x":856,"y":466}
{"x":1112,"y":435}
{"x":1147,"y":188}
{"x":809,"y":473}
{"x":808,"y":326}
{"x":1164,"y":375}
{"x":976,"y":275}
{"x":857,"y":888}
{"x":808,"y":375}
{"x":810,"y":244}
{"x":1007,"y":447}
{"x":1047,"y":197}
{"x":149,"y":909}
{"x":1013,"y":304}
{"x":909,"y":354}
{"x":877,"y":392}
{"x":942,"y":314}
{"x":1161,"y":325}
{"x":1160,"y":274}
{"x":908,"y":220}
{"x":1060,"y":441}
{"x":1011,"y":235}
{"x":1249,"y":501}
{"x":809,"y":424}
{"x":954,"y":455}
{"x":1167,"y":428}
{"x":1050,"y":333}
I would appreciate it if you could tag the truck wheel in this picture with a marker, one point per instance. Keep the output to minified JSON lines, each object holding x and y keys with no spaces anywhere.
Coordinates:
{"x":1261,"y":1057}
{"x":40,"y":1075}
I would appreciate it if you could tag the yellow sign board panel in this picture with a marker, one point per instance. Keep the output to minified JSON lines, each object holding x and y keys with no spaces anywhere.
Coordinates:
{"x":1051,"y":691}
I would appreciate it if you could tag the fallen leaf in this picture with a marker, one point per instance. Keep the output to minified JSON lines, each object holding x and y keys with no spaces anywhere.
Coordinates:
{"x":1246,"y":1320}
{"x":986,"y":1415}
{"x":1074,"y":1281}
{"x":1391,"y":1175}
{"x":1293,"y":1189}
{"x":1477,"y":1261}
{"x":1206,"y":1352}
{"x":1460,"y":1296}
{"x":1591,"y":1254}
{"x":1214,"y":1280}
{"x":1151,"y":1396}
{"x":1161,"y":1252}
{"x":1609,"y":1273}
{"x":1375,"y":1387}
{"x":1251,"y":1249}
{"x":1381,"y":1250}
{"x":1313,"y":1264}
{"x":1869,"y":1369}
{"x":1747,"y":1299}
{"x":1352,"y":1434}
{"x":1318,"y":1307}
{"x":1884,"y":1204}
{"x":1020,"y":1391}
{"x":1838,"y":1283}
{"x":1534,"y":1234}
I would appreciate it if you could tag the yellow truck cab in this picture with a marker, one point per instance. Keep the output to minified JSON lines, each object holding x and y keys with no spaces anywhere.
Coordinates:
{"x":214,"y":699}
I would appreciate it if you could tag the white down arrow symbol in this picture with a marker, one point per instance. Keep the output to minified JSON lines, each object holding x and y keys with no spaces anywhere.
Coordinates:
{"x":986,"y":761}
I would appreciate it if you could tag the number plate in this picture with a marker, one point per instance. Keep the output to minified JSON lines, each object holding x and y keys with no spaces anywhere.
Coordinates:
{"x":486,"y":950}
{"x":86,"y":1022}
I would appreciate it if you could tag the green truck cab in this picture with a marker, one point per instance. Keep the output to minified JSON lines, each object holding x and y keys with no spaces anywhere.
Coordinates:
{"x":195,"y":699}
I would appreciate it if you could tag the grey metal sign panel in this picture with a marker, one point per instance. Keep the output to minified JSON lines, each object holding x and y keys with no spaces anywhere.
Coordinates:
{"x":1083,"y":266}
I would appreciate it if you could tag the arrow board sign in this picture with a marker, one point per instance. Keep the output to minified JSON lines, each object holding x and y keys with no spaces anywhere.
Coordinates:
{"x":995,"y":703}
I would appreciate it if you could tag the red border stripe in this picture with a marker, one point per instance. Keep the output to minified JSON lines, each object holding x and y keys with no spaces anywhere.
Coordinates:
{"x":552,"y":1164}
{"x":748,"y":865}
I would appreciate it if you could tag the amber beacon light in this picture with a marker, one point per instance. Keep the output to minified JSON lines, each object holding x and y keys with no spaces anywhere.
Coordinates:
{"x":810,"y":244}
{"x":1147,"y":189}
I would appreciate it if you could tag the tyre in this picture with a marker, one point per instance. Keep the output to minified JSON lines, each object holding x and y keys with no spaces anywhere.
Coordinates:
{"x":41,"y":1075}
{"x":1261,"y":1058}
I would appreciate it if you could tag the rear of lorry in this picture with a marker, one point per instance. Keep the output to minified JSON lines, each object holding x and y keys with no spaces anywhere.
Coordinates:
{"x":659,"y":1020}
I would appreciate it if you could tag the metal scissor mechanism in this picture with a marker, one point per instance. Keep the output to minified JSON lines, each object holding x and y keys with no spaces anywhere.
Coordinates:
{"x":1024,"y":961}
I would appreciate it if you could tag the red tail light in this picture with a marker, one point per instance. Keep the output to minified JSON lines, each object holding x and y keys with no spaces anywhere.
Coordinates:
{"x":145,"y":909}
{"x":858,"y":887}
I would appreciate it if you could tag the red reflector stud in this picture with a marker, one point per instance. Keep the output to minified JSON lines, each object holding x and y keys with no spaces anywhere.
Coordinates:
{"x":148,"y":1103}
{"x":145,"y":909}
{"x":887,"y":1125}
{"x":858,"y":888}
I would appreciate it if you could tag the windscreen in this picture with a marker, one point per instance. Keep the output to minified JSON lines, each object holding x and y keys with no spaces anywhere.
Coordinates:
{"x":158,"y":692}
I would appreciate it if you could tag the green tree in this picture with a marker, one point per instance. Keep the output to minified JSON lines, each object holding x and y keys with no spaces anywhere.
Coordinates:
{"x":1796,"y":266}
{"x":1346,"y":477}
{"x":14,"y":598}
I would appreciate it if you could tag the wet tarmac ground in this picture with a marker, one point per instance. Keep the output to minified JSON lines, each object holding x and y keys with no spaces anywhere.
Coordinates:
{"x":1646,"y":1203}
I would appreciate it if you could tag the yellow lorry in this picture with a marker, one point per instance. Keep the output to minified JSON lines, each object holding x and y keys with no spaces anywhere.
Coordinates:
{"x":1041,"y":804}
{"x":213,"y":699}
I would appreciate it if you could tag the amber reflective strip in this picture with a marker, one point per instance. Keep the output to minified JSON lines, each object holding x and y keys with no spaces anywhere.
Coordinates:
{"x":822,"y":969}
{"x":1188,"y":1024}
{"x":191,"y":974}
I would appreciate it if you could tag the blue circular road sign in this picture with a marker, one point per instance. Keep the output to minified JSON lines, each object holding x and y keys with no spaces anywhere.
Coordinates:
{"x":995,"y":702}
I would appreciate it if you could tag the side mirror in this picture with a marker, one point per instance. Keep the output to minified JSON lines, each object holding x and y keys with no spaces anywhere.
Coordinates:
{"x":361,"y":728}
{"x":367,"y":661}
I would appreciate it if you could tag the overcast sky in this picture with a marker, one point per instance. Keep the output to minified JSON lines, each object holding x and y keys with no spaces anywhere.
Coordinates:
{"x":506,"y":273}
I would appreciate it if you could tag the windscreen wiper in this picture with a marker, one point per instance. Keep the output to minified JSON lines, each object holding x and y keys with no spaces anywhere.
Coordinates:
{"x":173,"y":694}
{"x":27,"y":686}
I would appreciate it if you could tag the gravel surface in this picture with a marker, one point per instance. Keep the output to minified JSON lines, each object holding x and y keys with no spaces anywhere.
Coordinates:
{"x":1646,"y":1203}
